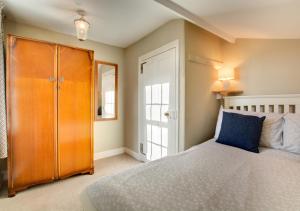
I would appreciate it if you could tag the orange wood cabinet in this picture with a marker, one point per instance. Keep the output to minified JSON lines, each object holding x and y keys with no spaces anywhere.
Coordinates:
{"x":50,"y":112}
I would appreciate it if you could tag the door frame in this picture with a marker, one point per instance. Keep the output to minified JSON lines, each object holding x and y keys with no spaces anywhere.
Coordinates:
{"x":178,"y":82}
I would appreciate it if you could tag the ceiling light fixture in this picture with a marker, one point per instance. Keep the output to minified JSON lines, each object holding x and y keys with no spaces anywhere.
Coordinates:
{"x":82,"y":27}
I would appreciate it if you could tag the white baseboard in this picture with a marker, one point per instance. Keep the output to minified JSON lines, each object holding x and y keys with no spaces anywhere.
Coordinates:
{"x":119,"y":151}
{"x":109,"y":153}
{"x":135,"y":155}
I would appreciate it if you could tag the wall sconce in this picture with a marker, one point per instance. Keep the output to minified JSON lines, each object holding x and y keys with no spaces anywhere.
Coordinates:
{"x":224,"y":86}
{"x":226,"y":74}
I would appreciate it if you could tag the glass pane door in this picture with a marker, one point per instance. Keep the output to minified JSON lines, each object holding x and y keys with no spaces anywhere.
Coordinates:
{"x":156,"y":110}
{"x":158,"y":96}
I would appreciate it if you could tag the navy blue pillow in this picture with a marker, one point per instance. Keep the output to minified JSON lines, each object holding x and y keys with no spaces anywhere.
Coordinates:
{"x":242,"y":131}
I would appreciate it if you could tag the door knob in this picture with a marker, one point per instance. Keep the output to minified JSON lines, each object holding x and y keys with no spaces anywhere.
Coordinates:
{"x":167,"y":114}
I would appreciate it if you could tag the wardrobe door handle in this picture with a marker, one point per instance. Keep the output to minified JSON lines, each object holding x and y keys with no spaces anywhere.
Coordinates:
{"x":61,"y":79}
{"x":51,"y":79}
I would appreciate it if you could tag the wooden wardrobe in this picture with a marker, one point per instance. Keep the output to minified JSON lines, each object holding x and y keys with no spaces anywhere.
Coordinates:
{"x":49,"y":111}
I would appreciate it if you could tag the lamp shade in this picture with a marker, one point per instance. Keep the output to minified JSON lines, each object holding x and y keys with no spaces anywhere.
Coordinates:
{"x":82,"y":27}
{"x":226,"y":74}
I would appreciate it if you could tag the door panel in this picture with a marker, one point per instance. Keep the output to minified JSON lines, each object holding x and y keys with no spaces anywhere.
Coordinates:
{"x":74,"y":111}
{"x":159,"y":105}
{"x":31,"y":112}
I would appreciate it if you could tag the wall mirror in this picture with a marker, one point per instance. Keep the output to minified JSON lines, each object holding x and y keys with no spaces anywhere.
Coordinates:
{"x":106,"y":91}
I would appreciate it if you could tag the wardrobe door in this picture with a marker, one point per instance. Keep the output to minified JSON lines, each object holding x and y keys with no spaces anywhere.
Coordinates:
{"x":75,"y":146}
{"x":31,"y":103}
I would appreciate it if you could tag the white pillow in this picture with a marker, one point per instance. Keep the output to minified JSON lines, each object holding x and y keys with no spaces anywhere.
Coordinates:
{"x":219,"y":123}
{"x":271,"y":135}
{"x":291,"y":133}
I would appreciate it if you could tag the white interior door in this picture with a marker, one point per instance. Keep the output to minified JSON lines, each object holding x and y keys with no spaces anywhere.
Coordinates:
{"x":158,"y":105}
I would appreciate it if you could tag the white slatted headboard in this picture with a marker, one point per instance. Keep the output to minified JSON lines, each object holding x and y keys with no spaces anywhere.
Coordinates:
{"x":265,"y":103}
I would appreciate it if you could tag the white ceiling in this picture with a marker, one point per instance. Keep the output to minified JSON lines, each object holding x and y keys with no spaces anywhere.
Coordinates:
{"x":115,"y":22}
{"x":274,"y":19}
{"x":123,"y":22}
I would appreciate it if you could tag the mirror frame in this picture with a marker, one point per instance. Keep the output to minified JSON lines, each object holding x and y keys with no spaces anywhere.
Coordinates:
{"x":98,"y":118}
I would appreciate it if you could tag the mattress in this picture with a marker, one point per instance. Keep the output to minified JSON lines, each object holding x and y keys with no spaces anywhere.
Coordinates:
{"x":209,"y":176}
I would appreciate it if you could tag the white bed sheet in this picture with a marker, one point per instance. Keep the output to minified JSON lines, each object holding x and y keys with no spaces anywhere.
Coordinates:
{"x":209,"y":176}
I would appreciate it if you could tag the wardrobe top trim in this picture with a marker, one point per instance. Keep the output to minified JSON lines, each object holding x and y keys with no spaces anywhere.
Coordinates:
{"x":48,"y":42}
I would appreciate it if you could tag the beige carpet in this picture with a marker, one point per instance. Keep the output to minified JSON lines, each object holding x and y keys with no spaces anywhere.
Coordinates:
{"x":64,"y":194}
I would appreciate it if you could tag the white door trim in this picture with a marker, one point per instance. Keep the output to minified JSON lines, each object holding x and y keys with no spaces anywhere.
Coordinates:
{"x":171,"y":45}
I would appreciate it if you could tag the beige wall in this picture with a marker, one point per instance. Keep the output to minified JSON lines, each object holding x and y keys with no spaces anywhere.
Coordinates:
{"x":108,"y":134}
{"x":165,"y":34}
{"x":265,"y":66}
{"x":262,"y":66}
{"x":201,"y":106}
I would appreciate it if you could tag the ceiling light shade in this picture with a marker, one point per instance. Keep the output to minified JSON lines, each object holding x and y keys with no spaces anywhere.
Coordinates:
{"x":82,"y":27}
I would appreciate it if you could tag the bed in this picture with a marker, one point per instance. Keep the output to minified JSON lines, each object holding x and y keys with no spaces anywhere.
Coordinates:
{"x":209,"y":176}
